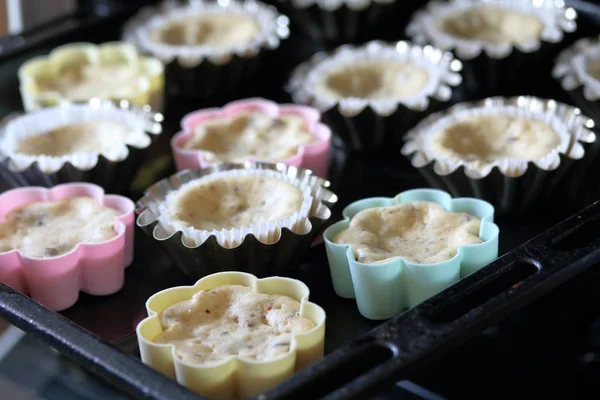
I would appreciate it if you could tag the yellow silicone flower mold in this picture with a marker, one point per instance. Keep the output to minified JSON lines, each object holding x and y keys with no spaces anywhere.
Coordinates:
{"x":234,"y":376}
{"x":82,"y":71}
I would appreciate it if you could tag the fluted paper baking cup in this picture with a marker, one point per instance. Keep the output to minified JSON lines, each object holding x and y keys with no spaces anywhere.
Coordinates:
{"x":385,"y":289}
{"x":202,"y":71}
{"x":511,"y":185}
{"x":112,"y":171}
{"x":149,"y":90}
{"x":94,"y":268}
{"x":313,"y":156}
{"x":497,"y":68}
{"x":274,"y":248}
{"x":234,"y":376}
{"x":374,"y":124}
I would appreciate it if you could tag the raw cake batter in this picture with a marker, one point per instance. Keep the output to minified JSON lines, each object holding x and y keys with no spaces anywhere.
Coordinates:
{"x":234,"y":202}
{"x":232,"y":320}
{"x":218,"y":30}
{"x":377,"y":80}
{"x":420,"y":232}
{"x":100,"y":137}
{"x":494,"y":25}
{"x":498,"y":137}
{"x":49,"y":229}
{"x":250,"y":135}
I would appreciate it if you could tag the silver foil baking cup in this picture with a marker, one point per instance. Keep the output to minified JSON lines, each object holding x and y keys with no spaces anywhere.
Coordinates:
{"x":365,"y":124}
{"x":200,"y":71}
{"x":335,"y":22}
{"x":497,"y":69}
{"x":252,"y":255}
{"x":112,"y":172}
{"x":513,"y":186}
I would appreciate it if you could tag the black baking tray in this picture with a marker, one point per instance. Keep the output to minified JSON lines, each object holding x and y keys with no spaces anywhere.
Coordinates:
{"x":364,"y":357}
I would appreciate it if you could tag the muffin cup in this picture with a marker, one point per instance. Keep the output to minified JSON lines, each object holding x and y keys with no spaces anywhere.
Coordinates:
{"x":513,"y":186}
{"x":233,"y":377}
{"x":112,"y":172}
{"x":199,"y":71}
{"x":94,"y":268}
{"x":201,"y":253}
{"x":313,"y":156}
{"x":497,"y":69}
{"x":386,"y":289}
{"x":374,"y":125}
{"x":50,"y":66}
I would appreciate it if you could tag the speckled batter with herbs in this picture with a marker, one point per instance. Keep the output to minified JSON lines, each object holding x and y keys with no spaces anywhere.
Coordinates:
{"x":495,"y":25}
{"x":420,"y":232}
{"x":232,"y":320}
{"x":250,"y":135}
{"x":98,"y":137}
{"x":50,"y":229}
{"x":234,"y":202}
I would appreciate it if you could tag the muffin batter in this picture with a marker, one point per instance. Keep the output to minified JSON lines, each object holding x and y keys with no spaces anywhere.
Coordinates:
{"x":498,"y":137}
{"x":377,"y":80}
{"x":85,"y":81}
{"x":100,"y":137}
{"x":250,"y":135}
{"x":420,"y":232}
{"x":218,"y":30}
{"x":232,"y":320}
{"x":494,"y":25}
{"x":49,"y":229}
{"x":234,"y":202}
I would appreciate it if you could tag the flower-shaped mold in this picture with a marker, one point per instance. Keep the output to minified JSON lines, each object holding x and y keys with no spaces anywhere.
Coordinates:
{"x":39,"y":71}
{"x":112,"y":171}
{"x":199,"y":253}
{"x":235,"y":376}
{"x":202,"y":71}
{"x":385,"y":289}
{"x":496,"y":68}
{"x":313,"y":156}
{"x":511,"y":185}
{"x":94,"y":268}
{"x":374,"y":124}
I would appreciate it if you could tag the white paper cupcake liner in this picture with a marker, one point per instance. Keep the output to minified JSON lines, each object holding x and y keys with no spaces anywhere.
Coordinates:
{"x":19,"y":169}
{"x":366,"y":123}
{"x":510,"y":184}
{"x":201,"y":71}
{"x":493,"y":68}
{"x":266,"y":232}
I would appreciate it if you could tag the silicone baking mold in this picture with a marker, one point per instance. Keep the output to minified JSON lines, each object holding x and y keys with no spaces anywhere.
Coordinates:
{"x":385,"y":289}
{"x":198,"y":260}
{"x":314,"y":156}
{"x":235,"y":376}
{"x":94,"y":268}
{"x":50,"y":66}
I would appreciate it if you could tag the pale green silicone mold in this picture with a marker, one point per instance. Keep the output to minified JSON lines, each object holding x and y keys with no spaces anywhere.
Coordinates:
{"x":384,"y":290}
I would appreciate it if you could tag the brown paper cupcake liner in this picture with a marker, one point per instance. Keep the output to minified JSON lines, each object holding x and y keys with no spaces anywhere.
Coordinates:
{"x":513,"y":186}
{"x":376,"y":125}
{"x":210,"y":256}
{"x":112,"y":172}
{"x":199,"y":71}
{"x":491,"y":69}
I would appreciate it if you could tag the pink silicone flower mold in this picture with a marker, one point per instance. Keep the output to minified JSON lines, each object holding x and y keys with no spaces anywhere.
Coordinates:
{"x":94,"y":268}
{"x":314,"y":156}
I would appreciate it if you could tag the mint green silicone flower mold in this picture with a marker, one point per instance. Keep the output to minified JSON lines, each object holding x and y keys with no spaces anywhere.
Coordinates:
{"x":385,"y":289}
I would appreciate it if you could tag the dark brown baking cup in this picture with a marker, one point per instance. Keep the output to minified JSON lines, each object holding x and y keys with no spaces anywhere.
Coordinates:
{"x":365,"y":124}
{"x":335,"y":22}
{"x":513,"y":186}
{"x":498,"y":69}
{"x":251,"y":255}
{"x":113,"y":174}
{"x":199,"y":71}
